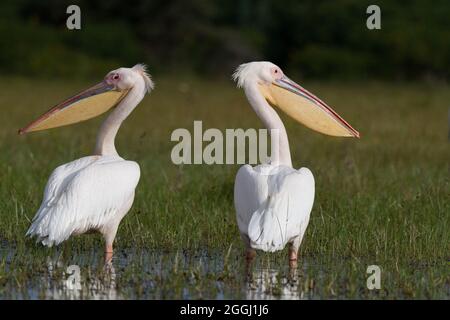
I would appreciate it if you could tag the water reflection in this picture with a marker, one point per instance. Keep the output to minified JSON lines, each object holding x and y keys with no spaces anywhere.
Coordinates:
{"x":268,"y":284}
{"x":137,"y":273}
{"x":70,"y":282}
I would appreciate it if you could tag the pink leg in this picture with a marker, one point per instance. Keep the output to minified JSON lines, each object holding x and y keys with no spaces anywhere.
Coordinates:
{"x":109,"y":248}
{"x":108,"y":253}
{"x":293,"y":256}
{"x":292,"y":263}
{"x":109,"y":233}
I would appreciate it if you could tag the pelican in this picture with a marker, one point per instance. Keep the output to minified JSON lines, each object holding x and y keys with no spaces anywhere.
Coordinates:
{"x":95,"y":192}
{"x":273,"y":201}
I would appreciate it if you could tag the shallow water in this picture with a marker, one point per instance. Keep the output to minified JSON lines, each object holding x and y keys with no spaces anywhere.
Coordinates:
{"x":145,"y":274}
{"x":203,"y":274}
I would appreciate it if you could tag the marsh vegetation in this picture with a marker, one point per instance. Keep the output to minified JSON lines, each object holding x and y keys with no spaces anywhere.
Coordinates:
{"x":383,"y":199}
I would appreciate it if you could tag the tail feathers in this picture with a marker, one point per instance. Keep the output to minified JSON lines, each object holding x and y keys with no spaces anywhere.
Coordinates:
{"x":285,"y":214}
{"x":44,"y":238}
{"x":42,"y":230}
{"x":267,"y":229}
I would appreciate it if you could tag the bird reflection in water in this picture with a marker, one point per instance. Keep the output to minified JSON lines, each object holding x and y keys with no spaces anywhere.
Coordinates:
{"x":74,"y":282}
{"x":266,"y":283}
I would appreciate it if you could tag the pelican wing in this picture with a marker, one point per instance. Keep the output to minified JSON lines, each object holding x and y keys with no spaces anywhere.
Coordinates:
{"x":250,"y":191}
{"x":60,"y":177}
{"x":82,"y":195}
{"x":284,"y":215}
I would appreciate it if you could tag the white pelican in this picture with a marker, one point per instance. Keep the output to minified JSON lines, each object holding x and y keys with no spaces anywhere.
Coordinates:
{"x":273,"y":201}
{"x":95,"y":192}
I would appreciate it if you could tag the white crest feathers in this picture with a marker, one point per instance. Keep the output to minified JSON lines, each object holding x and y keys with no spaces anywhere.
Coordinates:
{"x":142,"y":69}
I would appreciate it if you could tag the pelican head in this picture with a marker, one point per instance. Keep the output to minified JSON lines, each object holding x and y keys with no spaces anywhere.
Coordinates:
{"x":293,"y":99}
{"x":95,"y":100}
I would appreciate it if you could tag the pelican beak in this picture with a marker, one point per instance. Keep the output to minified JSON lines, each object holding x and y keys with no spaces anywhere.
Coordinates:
{"x":306,"y":108}
{"x":83,"y":106}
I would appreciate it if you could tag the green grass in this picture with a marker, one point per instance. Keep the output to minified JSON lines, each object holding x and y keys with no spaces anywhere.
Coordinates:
{"x":383,"y":199}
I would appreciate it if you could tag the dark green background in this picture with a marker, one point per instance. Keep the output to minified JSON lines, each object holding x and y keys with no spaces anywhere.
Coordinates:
{"x":314,"y":39}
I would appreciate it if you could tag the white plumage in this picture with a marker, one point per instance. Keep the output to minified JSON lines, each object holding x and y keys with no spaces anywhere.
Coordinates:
{"x":91,"y":193}
{"x":273,"y":204}
{"x":273,"y":201}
